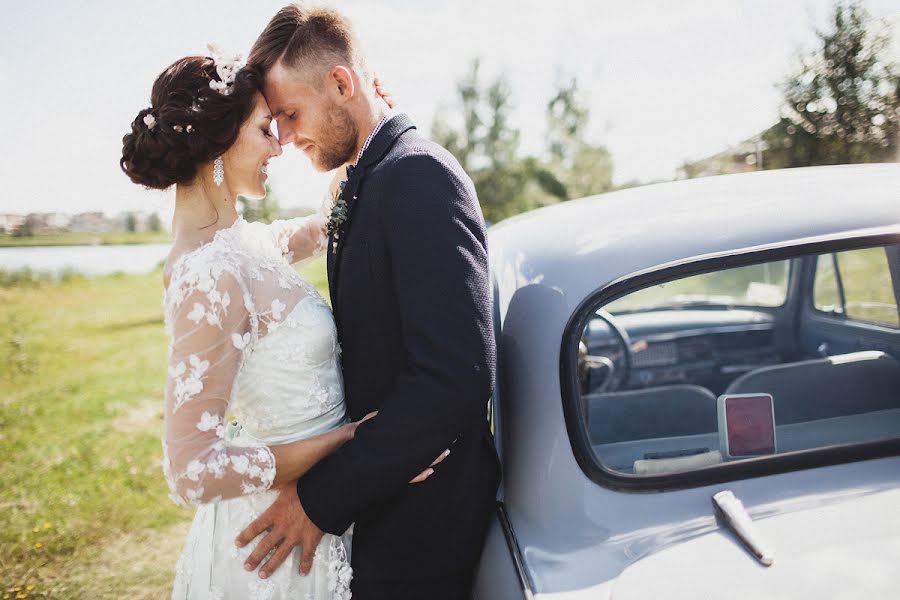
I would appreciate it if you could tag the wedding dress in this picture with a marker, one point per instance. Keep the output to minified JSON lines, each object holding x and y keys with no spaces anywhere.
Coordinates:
{"x":254,"y":362}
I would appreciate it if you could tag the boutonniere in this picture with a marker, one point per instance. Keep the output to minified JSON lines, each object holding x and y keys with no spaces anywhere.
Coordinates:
{"x":337,"y":218}
{"x":340,"y":211}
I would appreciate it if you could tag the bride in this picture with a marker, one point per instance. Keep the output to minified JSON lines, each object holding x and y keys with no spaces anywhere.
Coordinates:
{"x":254,"y":396}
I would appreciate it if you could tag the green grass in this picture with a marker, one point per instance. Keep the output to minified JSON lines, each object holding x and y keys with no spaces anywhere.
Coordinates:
{"x":27,"y":277}
{"x":84,"y":508}
{"x":315,"y":272}
{"x":83,"y":363}
{"x":90,"y":239}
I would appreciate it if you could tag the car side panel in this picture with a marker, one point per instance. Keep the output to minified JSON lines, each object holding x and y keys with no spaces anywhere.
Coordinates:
{"x":496,"y":577}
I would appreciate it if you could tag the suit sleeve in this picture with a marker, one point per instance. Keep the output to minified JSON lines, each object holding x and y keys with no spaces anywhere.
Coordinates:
{"x":436,"y":241}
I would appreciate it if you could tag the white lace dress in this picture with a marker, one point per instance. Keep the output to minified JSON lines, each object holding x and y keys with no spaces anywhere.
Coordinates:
{"x":253,"y":362}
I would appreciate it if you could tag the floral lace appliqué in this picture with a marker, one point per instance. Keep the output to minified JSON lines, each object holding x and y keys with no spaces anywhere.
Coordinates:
{"x":222,"y":300}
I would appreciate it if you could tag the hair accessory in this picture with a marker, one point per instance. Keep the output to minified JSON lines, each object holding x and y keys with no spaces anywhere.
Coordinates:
{"x":227,"y":67}
{"x":178,"y":128}
{"x":189,"y":128}
{"x":219,"y":170}
{"x":149,"y":121}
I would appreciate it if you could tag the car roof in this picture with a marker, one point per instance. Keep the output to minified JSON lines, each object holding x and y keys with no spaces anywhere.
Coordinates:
{"x":577,"y":246}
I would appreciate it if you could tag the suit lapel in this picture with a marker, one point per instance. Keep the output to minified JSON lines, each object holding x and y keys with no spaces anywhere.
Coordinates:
{"x":378,"y":147}
{"x":348,"y":194}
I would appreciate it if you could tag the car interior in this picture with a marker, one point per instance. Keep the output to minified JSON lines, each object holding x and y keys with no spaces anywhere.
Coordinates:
{"x":814,"y":341}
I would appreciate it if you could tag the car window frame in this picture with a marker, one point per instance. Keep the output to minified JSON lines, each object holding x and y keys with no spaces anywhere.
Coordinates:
{"x":843,"y":315}
{"x":576,"y":428}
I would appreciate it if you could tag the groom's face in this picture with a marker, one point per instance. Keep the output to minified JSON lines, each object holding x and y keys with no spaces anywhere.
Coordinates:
{"x":312,"y":117}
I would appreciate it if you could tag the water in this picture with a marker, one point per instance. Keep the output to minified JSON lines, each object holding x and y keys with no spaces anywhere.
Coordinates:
{"x":88,"y":260}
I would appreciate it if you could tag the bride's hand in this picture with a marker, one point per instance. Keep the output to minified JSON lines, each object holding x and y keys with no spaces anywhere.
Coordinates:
{"x":384,"y":93}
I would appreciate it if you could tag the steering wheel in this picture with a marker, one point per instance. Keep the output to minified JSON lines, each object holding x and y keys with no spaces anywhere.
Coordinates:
{"x":618,"y":366}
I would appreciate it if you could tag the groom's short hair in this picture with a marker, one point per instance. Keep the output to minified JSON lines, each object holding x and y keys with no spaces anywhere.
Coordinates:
{"x":310,"y":39}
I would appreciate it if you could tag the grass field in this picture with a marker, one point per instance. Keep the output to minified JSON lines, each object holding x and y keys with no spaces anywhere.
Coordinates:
{"x":86,"y":239}
{"x":84,"y":511}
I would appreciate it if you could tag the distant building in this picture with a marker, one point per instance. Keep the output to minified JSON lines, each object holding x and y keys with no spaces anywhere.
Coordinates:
{"x":42,"y":223}
{"x":86,"y":222}
{"x":137,"y":221}
{"x":90,"y":222}
{"x":10,"y":223}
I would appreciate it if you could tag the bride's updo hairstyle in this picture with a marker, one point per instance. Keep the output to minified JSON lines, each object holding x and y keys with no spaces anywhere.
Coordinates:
{"x":187,"y":124}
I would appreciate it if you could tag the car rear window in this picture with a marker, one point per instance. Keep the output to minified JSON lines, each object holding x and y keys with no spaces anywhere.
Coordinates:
{"x":743,"y":364}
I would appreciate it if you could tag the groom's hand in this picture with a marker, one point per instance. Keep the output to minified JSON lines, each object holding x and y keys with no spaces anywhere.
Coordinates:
{"x":288,"y":526}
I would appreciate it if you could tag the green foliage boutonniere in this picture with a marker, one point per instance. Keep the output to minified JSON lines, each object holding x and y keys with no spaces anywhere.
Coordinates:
{"x":336,"y":219}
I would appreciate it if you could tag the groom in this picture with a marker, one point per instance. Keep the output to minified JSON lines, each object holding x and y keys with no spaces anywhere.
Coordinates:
{"x":408,"y":274}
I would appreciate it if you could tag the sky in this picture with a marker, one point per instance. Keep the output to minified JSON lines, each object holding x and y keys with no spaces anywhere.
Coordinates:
{"x":664,"y":81}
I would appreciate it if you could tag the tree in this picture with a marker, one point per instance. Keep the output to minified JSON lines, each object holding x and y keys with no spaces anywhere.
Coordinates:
{"x":154,"y":223}
{"x":842,"y":103}
{"x":26,"y":229}
{"x":583,"y":169}
{"x":487,"y":147}
{"x":130,"y":222}
{"x":265,"y":209}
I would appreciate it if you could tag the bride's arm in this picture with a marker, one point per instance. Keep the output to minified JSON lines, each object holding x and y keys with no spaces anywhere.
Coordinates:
{"x":210,"y":327}
{"x":293,"y":460}
{"x":306,"y":237}
{"x":301,"y":238}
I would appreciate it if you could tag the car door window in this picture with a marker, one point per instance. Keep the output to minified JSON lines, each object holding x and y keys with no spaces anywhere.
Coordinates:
{"x":708,"y":369}
{"x":856,"y":284}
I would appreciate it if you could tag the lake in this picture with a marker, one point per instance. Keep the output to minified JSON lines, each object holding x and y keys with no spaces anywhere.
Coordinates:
{"x":89,"y":260}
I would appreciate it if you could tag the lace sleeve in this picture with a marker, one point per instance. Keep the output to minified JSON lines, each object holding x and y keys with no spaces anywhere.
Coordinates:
{"x":304,"y":237}
{"x":210,"y":325}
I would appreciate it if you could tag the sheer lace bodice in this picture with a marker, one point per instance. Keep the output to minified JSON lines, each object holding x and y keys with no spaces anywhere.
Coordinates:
{"x":223,"y":303}
{"x":253,"y":362}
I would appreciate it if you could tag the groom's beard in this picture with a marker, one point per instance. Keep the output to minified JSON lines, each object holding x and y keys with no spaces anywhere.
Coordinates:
{"x":338,"y":139}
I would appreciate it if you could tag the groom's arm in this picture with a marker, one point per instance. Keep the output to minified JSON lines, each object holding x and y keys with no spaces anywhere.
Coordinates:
{"x":436,"y":240}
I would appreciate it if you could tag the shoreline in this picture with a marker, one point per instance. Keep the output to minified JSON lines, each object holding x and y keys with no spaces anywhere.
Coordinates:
{"x":115,"y":238}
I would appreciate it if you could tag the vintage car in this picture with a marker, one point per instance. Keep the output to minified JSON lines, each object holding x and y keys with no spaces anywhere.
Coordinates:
{"x":699,"y":391}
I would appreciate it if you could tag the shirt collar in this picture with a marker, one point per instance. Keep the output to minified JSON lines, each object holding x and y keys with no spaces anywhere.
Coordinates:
{"x":365,"y":145}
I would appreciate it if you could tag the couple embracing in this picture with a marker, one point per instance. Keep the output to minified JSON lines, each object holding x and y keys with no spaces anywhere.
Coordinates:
{"x":326,"y":449}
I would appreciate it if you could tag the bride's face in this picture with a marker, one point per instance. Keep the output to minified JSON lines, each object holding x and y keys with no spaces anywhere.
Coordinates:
{"x":247,"y":161}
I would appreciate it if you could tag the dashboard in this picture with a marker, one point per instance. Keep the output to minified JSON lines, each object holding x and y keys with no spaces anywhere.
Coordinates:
{"x":708,"y":347}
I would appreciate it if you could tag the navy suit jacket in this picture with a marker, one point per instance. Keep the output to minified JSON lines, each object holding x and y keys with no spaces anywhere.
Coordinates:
{"x":410,"y":291}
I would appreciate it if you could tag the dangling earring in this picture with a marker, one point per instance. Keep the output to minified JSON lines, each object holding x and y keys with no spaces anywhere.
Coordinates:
{"x":219,"y":170}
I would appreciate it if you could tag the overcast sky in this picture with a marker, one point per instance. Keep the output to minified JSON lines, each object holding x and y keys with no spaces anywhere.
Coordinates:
{"x":666,"y":81}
